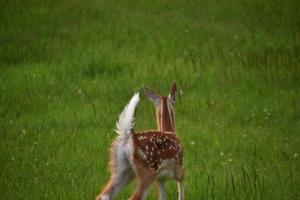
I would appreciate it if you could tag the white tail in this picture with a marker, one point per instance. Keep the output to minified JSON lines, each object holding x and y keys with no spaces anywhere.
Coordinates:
{"x":126,"y":119}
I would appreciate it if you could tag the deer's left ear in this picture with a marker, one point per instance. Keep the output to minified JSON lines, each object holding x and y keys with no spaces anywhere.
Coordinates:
{"x":173,"y":92}
{"x":155,"y":98}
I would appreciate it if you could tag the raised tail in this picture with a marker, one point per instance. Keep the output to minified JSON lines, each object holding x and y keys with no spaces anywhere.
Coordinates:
{"x":126,"y":118}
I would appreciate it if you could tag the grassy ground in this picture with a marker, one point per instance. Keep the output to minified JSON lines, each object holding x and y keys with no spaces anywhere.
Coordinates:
{"x":67,"y":68}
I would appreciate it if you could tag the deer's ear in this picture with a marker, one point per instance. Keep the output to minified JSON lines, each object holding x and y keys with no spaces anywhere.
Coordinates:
{"x":155,"y":98}
{"x":173,"y":92}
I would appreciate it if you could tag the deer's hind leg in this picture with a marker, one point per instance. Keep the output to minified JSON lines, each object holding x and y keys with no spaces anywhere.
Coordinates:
{"x":145,"y":178}
{"x":121,"y":173}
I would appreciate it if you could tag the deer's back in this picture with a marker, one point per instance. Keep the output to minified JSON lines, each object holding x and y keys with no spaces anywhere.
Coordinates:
{"x":157,"y":150}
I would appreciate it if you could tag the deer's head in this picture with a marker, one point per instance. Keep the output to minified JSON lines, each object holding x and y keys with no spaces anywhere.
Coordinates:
{"x":164,"y":107}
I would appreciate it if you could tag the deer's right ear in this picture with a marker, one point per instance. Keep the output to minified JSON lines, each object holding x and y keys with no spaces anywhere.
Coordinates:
{"x":155,"y":98}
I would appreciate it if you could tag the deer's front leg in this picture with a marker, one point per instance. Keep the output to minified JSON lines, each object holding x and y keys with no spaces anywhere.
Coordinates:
{"x":180,"y":181}
{"x":180,"y":190}
{"x":161,"y":189}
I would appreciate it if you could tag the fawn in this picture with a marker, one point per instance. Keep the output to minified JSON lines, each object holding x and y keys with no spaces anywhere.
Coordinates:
{"x":148,"y":155}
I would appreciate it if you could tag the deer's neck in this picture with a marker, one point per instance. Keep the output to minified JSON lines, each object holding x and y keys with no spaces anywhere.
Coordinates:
{"x":165,"y":118}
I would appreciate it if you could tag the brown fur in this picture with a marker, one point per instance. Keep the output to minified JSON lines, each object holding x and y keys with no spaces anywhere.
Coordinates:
{"x":165,"y":121}
{"x":157,"y":146}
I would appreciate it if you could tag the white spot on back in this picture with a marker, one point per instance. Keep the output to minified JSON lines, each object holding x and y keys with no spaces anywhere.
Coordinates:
{"x":142,"y":154}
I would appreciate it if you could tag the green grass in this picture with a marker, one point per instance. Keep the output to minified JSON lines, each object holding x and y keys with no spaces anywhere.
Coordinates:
{"x":67,"y":69}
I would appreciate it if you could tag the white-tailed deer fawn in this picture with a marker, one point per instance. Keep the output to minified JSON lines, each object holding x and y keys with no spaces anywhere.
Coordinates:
{"x":148,"y":155}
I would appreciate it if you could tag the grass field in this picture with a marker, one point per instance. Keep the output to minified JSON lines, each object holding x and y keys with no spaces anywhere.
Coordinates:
{"x":67,"y":69}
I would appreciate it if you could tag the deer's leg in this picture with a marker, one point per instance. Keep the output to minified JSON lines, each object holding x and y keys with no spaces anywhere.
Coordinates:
{"x":121,"y":174}
{"x":116,"y":184}
{"x":180,"y":190}
{"x":162,"y":190}
{"x":142,"y":190}
{"x":180,"y":181}
{"x":144,"y":180}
